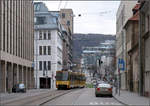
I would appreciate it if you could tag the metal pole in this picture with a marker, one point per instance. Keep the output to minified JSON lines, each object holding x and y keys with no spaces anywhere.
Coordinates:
{"x":52,"y":80}
{"x":36,"y":53}
{"x":140,"y":56}
{"x":46,"y":82}
{"x":0,"y":58}
{"x":0,"y":71}
{"x":46,"y":77}
{"x":0,"y":67}
{"x":119,"y":81}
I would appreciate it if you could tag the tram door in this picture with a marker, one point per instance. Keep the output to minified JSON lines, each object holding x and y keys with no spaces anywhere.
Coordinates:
{"x":45,"y":83}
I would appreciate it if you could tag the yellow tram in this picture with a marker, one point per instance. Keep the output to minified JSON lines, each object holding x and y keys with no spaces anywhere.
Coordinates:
{"x":67,"y":80}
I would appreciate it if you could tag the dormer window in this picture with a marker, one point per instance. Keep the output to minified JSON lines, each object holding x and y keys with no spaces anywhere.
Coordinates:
{"x":40,"y":20}
{"x":36,"y":7}
{"x":63,"y":15}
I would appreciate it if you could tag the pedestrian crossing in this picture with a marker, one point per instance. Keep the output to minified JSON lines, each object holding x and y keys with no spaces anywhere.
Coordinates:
{"x":104,"y":103}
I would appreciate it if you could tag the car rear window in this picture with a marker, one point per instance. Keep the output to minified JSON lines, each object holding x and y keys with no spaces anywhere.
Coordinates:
{"x":21,"y":86}
{"x":104,"y":85}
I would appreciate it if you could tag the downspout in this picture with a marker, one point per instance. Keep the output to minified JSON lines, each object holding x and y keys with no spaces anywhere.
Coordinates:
{"x":140,"y":55}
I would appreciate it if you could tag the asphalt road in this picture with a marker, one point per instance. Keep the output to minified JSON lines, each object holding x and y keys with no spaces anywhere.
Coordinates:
{"x":84,"y":96}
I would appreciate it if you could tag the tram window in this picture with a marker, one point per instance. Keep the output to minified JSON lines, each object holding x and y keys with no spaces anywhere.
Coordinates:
{"x":73,"y":77}
{"x":65,"y":76}
{"x":58,"y":76}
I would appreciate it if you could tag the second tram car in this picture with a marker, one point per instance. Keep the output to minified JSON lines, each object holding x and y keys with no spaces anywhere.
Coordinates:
{"x":67,"y":80}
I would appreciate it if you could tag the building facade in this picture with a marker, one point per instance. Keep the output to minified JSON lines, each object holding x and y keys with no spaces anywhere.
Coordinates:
{"x":66,"y":20}
{"x":48,"y":46}
{"x":144,"y":42}
{"x":123,"y":14}
{"x":132,"y":50}
{"x":16,"y":44}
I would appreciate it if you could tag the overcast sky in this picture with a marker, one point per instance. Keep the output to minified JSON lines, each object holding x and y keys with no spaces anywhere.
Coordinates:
{"x":96,"y":16}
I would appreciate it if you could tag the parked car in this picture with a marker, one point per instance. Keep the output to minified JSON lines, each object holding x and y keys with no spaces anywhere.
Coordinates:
{"x":103,"y":89}
{"x":19,"y":88}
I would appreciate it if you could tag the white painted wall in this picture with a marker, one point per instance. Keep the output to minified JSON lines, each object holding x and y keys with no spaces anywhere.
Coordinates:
{"x":54,"y":57}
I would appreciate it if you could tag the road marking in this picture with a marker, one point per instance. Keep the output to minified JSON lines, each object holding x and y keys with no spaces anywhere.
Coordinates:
{"x":112,"y":103}
{"x":91,"y":103}
{"x":117,"y":104}
{"x":101,"y":103}
{"x":106,"y":103}
{"x":96,"y":103}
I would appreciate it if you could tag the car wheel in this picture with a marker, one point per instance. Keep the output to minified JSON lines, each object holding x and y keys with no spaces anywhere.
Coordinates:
{"x":111,"y":95}
{"x":96,"y":95}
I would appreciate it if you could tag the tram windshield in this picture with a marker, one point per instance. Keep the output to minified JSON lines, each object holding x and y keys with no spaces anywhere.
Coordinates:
{"x":62,"y":76}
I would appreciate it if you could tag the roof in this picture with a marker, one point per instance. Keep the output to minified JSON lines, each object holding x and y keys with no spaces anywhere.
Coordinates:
{"x":47,"y":26}
{"x":40,"y":7}
{"x":135,"y":17}
{"x":136,"y":7}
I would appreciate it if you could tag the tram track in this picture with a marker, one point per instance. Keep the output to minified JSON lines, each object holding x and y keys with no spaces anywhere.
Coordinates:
{"x":40,"y":99}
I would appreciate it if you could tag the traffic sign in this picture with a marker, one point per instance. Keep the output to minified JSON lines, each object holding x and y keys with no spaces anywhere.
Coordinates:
{"x":33,"y":64}
{"x":121,"y":64}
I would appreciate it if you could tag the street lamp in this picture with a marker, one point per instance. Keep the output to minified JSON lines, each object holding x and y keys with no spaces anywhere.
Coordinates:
{"x":36,"y":56}
{"x":46,"y":75}
{"x":53,"y":76}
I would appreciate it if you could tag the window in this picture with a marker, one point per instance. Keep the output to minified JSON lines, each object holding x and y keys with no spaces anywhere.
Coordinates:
{"x":49,"y":65}
{"x":44,"y":65}
{"x":49,"y":50}
{"x":40,"y":50}
{"x":147,"y":23}
{"x":68,"y":23}
{"x":37,"y":7}
{"x":63,"y":15}
{"x":44,"y":50}
{"x":49,"y":35}
{"x":35,"y":20}
{"x":40,"y":65}
{"x":40,"y":20}
{"x":40,"y":35}
{"x":44,"y":35}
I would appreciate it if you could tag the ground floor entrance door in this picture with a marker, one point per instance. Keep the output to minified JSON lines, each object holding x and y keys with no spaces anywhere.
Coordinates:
{"x":45,"y":82}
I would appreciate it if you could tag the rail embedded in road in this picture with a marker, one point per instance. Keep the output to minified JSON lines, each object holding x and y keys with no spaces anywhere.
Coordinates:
{"x":40,"y":99}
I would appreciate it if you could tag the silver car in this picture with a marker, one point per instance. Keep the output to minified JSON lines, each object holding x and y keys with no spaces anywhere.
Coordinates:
{"x":103,"y":89}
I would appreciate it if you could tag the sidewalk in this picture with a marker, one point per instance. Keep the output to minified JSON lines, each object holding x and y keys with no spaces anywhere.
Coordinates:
{"x":130,"y":98}
{"x":13,"y":96}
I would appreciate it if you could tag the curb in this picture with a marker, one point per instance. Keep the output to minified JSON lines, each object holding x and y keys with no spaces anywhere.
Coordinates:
{"x":120,"y":101}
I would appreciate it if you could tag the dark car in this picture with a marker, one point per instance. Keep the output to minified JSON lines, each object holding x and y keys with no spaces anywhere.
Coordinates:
{"x":19,"y":88}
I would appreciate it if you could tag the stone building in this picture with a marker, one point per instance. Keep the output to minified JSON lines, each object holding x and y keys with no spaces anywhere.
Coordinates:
{"x":123,"y":14}
{"x":66,"y":20}
{"x":16,"y":43}
{"x":132,"y":51}
{"x":144,"y":44}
